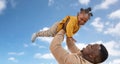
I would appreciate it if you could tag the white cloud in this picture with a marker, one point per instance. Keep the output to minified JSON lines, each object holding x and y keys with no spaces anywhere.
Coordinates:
{"x":13,"y":59}
{"x":37,"y":45}
{"x":48,"y":56}
{"x":115,"y":61}
{"x":3,"y":5}
{"x":97,"y":24}
{"x":34,"y":44}
{"x":115,"y":14}
{"x":18,"y":54}
{"x":105,"y":4}
{"x":43,"y":56}
{"x":106,"y":27}
{"x":85,"y":2}
{"x":79,"y":45}
{"x":37,"y":56}
{"x":50,"y":2}
{"x":45,"y":28}
{"x":115,"y":31}
{"x":108,"y":23}
{"x":112,"y":47}
{"x":46,"y":39}
{"x":26,"y":45}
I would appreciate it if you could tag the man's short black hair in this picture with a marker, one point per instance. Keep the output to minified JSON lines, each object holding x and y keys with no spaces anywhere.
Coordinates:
{"x":103,"y":53}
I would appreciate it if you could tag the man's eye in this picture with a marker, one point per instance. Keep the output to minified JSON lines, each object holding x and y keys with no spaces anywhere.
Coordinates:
{"x":91,"y":46}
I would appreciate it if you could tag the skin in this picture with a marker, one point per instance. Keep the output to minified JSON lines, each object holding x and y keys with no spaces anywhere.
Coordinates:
{"x":82,"y":18}
{"x":91,"y":52}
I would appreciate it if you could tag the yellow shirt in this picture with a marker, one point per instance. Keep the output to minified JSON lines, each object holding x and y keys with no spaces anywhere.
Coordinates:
{"x":72,"y":26}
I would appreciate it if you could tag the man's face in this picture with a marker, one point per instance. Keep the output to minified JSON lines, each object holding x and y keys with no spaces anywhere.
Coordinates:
{"x":83,"y":18}
{"x":92,"y":53}
{"x":92,"y":50}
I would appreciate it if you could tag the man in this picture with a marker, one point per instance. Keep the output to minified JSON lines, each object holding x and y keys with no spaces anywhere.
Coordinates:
{"x":71,"y":23}
{"x":92,"y":54}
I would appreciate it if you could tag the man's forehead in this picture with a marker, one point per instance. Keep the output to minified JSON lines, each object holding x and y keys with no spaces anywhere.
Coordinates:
{"x":97,"y":46}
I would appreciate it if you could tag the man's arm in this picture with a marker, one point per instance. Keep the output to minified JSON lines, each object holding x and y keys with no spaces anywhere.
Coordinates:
{"x":71,"y":45}
{"x":56,"y":48}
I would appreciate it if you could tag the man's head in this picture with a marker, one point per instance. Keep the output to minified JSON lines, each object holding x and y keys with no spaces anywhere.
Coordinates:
{"x":95,"y":53}
{"x":84,"y":15}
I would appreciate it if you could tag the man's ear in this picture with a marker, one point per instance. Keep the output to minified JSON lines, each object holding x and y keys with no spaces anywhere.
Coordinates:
{"x":91,"y":56}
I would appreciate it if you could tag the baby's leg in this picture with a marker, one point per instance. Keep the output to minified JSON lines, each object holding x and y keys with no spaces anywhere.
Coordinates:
{"x":48,"y":33}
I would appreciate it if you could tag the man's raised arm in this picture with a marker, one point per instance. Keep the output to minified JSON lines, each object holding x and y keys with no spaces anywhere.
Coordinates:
{"x":71,"y":45}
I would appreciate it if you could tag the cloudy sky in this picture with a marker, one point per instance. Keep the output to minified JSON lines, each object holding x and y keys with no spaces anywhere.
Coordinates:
{"x":20,"y":18}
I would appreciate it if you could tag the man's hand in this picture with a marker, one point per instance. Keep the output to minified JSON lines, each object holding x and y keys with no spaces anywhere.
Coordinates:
{"x":72,"y":39}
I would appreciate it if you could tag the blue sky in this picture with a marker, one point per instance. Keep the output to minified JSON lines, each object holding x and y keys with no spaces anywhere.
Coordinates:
{"x":20,"y":18}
